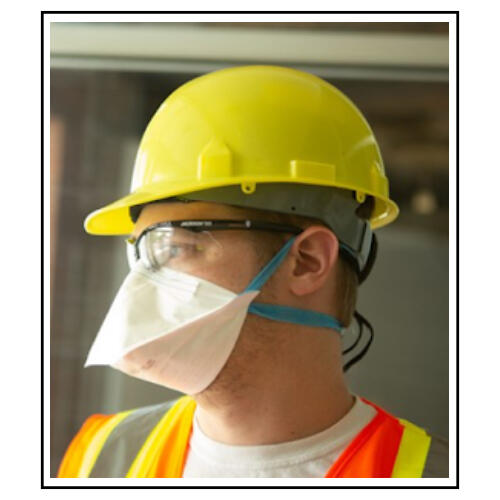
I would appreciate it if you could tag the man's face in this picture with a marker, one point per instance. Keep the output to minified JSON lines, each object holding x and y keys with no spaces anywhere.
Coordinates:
{"x":262,"y":344}
{"x":227,"y":258}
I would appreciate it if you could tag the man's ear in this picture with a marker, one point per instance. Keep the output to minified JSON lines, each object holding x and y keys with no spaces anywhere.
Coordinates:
{"x":315,"y":252}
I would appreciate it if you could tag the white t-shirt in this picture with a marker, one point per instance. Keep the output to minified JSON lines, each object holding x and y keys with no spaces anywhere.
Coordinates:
{"x":308,"y":457}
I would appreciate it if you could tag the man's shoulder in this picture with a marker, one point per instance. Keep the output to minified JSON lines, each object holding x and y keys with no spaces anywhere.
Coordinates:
{"x":436,"y":460}
{"x":126,"y":439}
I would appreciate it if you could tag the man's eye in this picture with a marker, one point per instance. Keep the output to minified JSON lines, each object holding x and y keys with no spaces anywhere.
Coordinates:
{"x":175,"y":250}
{"x":179,"y":251}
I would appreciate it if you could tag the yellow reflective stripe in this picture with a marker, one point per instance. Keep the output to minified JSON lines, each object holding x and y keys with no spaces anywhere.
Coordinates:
{"x":412,"y":453}
{"x":168,"y":432}
{"x":178,"y":446}
{"x":95,"y":446}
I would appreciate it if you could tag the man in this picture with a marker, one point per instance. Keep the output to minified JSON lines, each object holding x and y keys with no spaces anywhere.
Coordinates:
{"x":254,"y":196}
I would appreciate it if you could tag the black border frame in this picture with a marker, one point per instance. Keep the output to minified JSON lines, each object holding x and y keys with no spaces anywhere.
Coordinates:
{"x":43,"y":13}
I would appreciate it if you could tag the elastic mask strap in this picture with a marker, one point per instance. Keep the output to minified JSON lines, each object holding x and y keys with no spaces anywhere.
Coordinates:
{"x":268,"y":270}
{"x":285,"y":313}
{"x":294,"y":315}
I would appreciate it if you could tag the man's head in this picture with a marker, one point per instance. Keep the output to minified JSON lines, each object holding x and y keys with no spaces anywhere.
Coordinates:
{"x":313,"y":277}
{"x":277,"y":145}
{"x":309,"y":278}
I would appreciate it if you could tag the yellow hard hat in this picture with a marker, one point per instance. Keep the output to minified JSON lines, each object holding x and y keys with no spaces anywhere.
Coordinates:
{"x":249,"y":126}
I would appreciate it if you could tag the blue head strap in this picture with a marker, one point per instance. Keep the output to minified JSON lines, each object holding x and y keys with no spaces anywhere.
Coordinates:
{"x":285,"y":313}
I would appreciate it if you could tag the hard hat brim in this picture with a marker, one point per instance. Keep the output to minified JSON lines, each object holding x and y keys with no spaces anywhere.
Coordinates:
{"x":114,"y":219}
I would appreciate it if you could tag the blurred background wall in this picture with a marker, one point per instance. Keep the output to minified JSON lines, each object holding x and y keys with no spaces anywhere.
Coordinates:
{"x":106,"y":82}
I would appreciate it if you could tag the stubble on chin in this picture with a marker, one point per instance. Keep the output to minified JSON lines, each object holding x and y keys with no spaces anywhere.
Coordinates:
{"x":254,"y":350}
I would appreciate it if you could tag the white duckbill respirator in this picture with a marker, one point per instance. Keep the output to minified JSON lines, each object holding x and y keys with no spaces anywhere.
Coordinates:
{"x":171,"y":328}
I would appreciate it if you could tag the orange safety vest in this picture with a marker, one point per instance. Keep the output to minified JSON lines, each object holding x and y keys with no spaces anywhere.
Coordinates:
{"x":386,"y":447}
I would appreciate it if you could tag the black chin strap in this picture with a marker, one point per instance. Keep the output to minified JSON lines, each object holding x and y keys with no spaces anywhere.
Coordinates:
{"x":363,"y":274}
{"x":361,"y":320}
{"x":355,"y":343}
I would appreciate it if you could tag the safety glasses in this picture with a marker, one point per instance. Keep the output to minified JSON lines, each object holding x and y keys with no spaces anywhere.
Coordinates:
{"x":186,"y":244}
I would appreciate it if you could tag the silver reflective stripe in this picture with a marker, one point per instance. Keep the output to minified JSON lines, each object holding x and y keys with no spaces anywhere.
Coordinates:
{"x":437,"y":458}
{"x":126,"y":439}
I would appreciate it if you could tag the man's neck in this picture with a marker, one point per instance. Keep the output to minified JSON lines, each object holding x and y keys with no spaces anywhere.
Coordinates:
{"x":292,"y":398}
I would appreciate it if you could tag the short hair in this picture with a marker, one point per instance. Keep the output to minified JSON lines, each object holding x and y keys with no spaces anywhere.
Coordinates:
{"x":268,"y":244}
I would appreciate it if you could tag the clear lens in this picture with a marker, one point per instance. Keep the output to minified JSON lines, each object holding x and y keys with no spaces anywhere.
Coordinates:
{"x":179,"y":249}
